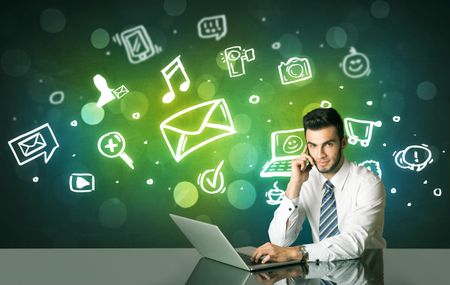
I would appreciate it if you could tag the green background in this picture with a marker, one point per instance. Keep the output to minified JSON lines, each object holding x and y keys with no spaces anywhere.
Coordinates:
{"x":44,"y":51}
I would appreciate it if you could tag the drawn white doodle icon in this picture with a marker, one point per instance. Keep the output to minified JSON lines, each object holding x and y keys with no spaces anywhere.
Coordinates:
{"x":112,"y":145}
{"x":137,"y":43}
{"x":212,"y":27}
{"x":274,"y":196}
{"x":236,"y":57}
{"x":373,"y":166}
{"x":212,"y":122}
{"x":82,"y":182}
{"x":107,"y":94}
{"x":168,"y":72}
{"x":294,"y":70}
{"x":212,"y":181}
{"x":414,"y":157}
{"x":360,"y":130}
{"x":31,"y":145}
{"x":355,"y":64}
{"x":285,"y":145}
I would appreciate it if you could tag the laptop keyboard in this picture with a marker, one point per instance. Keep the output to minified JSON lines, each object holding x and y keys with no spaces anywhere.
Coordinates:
{"x":247,"y":259}
{"x":280,"y":166}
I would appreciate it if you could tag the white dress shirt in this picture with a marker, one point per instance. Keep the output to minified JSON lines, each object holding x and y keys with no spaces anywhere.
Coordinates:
{"x":360,"y":202}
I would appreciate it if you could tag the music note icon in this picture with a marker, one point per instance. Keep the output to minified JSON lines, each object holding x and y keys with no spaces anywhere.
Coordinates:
{"x":168,"y":72}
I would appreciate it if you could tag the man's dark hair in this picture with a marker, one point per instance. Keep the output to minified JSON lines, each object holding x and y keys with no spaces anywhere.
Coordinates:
{"x":324,"y":117}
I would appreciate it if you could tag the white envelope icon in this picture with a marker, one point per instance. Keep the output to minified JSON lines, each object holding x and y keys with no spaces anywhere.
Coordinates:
{"x":120,"y":91}
{"x":196,"y":126}
{"x":32,"y":144}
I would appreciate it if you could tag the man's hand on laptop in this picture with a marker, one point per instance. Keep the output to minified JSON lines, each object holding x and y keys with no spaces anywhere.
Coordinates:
{"x":271,"y":252}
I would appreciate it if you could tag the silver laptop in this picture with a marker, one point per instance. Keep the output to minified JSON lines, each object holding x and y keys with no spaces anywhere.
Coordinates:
{"x":211,"y":243}
{"x":285,"y":146}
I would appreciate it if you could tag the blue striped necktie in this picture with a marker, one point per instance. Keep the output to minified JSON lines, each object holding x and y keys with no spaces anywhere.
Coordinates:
{"x":328,"y":225}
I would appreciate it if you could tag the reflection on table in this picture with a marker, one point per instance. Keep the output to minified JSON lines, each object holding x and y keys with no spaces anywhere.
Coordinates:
{"x":368,"y":269}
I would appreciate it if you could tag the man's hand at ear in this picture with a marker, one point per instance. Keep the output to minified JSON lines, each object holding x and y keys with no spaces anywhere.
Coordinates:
{"x":270,"y":252}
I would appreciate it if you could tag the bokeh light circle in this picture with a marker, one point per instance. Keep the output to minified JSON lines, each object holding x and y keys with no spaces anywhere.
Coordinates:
{"x":100,"y":38}
{"x":175,"y":7}
{"x":112,"y":213}
{"x":204,"y":218}
{"x":426,"y":90}
{"x":15,"y":62}
{"x":185,"y":194}
{"x":52,"y":20}
{"x":243,"y":123}
{"x":133,"y":103}
{"x":290,"y":46}
{"x":206,"y":90}
{"x":336,"y":37}
{"x":392,"y":103}
{"x":380,"y":9}
{"x":241,"y":194}
{"x":220,"y":60}
{"x":91,"y":114}
{"x":243,"y":157}
{"x":308,"y":108}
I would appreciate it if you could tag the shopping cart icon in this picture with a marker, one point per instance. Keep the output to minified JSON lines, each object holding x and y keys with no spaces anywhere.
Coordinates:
{"x":360,"y":130}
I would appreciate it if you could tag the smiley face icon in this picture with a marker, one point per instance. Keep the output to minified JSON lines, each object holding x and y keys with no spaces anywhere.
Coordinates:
{"x":355,"y":64}
{"x":292,"y":144}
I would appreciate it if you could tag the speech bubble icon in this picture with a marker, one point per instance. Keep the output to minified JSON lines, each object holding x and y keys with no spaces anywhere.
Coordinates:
{"x":414,"y":157}
{"x":212,"y":27}
{"x":37,"y":142}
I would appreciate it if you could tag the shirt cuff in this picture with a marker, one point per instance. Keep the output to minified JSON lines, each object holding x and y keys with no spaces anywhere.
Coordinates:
{"x":317,"y":252}
{"x":288,"y":207}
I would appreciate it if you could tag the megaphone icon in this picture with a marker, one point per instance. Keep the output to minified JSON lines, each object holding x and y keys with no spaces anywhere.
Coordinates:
{"x":82,"y":182}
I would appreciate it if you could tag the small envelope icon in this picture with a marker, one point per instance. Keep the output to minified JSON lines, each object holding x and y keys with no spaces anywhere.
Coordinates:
{"x":32,"y":144}
{"x":196,"y":126}
{"x":120,"y":91}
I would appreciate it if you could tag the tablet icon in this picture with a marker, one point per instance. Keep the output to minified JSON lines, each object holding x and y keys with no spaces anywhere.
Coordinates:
{"x":31,"y":145}
{"x":112,"y":145}
{"x":137,"y":43}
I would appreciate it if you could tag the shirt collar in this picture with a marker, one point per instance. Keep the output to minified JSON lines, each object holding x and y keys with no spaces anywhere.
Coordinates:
{"x":339,"y":178}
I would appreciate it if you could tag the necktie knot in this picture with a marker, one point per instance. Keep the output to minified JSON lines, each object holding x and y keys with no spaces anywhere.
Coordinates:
{"x":328,"y":185}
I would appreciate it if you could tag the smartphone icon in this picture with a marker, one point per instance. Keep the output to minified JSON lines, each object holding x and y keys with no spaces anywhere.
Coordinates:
{"x":137,"y":43}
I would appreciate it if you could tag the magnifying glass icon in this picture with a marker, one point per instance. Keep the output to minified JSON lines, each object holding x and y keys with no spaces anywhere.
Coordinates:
{"x":112,"y":145}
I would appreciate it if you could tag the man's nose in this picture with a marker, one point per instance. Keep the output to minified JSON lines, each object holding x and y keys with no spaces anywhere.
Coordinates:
{"x":321,"y":153}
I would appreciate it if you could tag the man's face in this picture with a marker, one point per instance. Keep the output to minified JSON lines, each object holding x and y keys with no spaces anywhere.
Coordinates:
{"x":326,"y":149}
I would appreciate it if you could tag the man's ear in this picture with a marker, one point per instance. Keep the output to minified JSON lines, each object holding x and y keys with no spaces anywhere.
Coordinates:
{"x":344,"y":142}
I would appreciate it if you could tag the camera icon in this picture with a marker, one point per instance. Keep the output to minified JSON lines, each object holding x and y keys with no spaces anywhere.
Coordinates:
{"x":236,"y":57}
{"x":294,"y":70}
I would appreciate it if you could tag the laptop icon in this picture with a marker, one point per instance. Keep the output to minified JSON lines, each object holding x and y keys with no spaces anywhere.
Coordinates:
{"x":285,"y":146}
{"x":211,"y":243}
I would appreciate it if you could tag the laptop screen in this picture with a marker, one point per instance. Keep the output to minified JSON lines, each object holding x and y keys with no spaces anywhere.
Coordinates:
{"x":288,"y":143}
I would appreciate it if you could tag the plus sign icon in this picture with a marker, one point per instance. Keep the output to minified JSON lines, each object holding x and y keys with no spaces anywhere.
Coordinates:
{"x":112,"y":145}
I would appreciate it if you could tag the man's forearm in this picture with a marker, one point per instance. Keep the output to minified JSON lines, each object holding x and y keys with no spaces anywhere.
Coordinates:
{"x":293,"y":189}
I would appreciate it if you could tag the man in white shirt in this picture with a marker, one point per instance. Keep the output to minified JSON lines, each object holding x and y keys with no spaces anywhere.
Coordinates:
{"x":344,"y":202}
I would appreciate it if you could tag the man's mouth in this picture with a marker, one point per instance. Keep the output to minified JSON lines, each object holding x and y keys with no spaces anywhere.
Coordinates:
{"x":322,"y":163}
